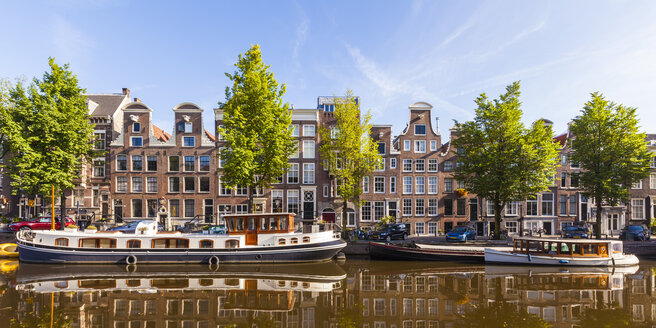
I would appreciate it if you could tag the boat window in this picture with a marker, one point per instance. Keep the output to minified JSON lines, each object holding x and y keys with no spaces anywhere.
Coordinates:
{"x":306,"y":239}
{"x":231,"y":225}
{"x":232,"y":243}
{"x":564,"y":248}
{"x":283,"y":224}
{"x":169,"y":283}
{"x":281,"y":241}
{"x":534,"y":246}
{"x":281,"y":283}
{"x":617,"y":248}
{"x":263,"y":224}
{"x":206,"y":243}
{"x":170,"y":243}
{"x":97,"y":243}
{"x":133,"y":243}
{"x":232,"y":282}
{"x":133,"y":282}
{"x":273,"y":223}
{"x":97,"y":284}
{"x":240,"y":224}
{"x":61,"y":284}
{"x":590,"y":249}
{"x":294,"y":241}
{"x":61,"y":242}
{"x":206,"y":282}
{"x":251,"y":224}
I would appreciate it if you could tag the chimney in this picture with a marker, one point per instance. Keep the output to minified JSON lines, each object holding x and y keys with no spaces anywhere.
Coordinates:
{"x":126,"y":92}
{"x":137,"y":99}
{"x":437,"y":125}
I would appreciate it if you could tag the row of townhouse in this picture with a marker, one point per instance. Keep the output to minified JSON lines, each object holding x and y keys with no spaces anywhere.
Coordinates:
{"x":149,"y":173}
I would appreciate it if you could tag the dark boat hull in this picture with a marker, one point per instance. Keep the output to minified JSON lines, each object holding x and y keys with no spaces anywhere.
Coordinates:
{"x":380,"y":251}
{"x":33,"y":253}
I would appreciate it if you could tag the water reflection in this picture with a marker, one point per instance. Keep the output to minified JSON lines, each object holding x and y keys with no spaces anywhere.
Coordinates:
{"x":358,"y":293}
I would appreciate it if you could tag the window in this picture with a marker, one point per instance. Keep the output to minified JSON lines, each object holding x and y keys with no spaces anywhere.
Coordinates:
{"x":121,"y":184}
{"x":652,"y":162}
{"x":652,"y":181}
{"x":174,"y":208}
{"x":241,"y":191}
{"x":189,"y":163}
{"x":393,"y":185}
{"x":136,"y":127}
{"x":137,"y":163}
{"x":151,"y":163}
{"x":241,"y":208}
{"x":448,"y":185}
{"x":189,"y":208}
{"x":420,"y":165}
{"x":189,"y":184}
{"x":137,"y":210}
{"x":563,"y":179}
{"x":432,"y":208}
{"x":100,"y":140}
{"x":188,"y":141}
{"x":420,"y":185}
{"x":61,"y":242}
{"x":174,"y":163}
{"x":419,"y":207}
{"x":366,"y":211}
{"x":379,"y":185}
{"x":406,"y":145}
{"x":292,"y":201}
{"x":392,"y":163}
{"x":562,"y":205}
{"x":432,"y":165}
{"x":151,"y":184}
{"x":133,"y":243}
{"x":308,"y":148}
{"x":420,"y":129}
{"x":419,"y":228}
{"x":407,"y":165}
{"x":574,"y":180}
{"x":574,"y":164}
{"x":532,"y":206}
{"x":136,"y":141}
{"x":407,"y":185}
{"x":420,"y":146}
{"x":188,"y":127}
{"x":563,"y":160}
{"x":407,"y":207}
{"x":294,"y":128}
{"x":365,"y":184}
{"x":99,"y":168}
{"x":204,"y":184}
{"x":222,"y":157}
{"x":511,"y":226}
{"x":490,"y":208}
{"x":309,"y":130}
{"x":448,"y":207}
{"x":637,"y":185}
{"x":432,"y":185}
{"x":448,"y":166}
{"x":460,"y":206}
{"x":511,"y":208}
{"x":137,"y":184}
{"x":637,"y":209}
{"x":294,"y":153}
{"x":379,"y":210}
{"x":325,"y":190}
{"x":547,"y":204}
{"x":433,"y":145}
{"x":121,"y":163}
{"x":380,"y":165}
{"x":292,"y":174}
{"x":174,"y":184}
{"x":151,"y":207}
{"x":204,"y":163}
{"x":206,"y":243}
{"x":572,"y":205}
{"x":381,"y":148}
{"x":308,"y":173}
{"x":223,"y":189}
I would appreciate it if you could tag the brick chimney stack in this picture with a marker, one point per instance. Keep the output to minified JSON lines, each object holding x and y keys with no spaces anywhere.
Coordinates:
{"x":137,"y":99}
{"x":126,"y":92}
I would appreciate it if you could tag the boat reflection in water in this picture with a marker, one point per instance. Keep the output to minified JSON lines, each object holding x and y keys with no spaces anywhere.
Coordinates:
{"x":375,"y":294}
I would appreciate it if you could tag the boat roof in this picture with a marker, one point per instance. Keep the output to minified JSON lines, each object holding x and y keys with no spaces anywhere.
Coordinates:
{"x":569,"y":240}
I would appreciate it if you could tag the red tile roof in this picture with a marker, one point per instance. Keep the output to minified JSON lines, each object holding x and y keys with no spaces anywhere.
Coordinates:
{"x":209,"y":135}
{"x":561,"y":139}
{"x":160,"y":134}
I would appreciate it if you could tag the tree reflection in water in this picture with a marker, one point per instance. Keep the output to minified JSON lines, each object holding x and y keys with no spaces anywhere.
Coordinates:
{"x":500,"y":314}
{"x":605,"y":317}
{"x":41,"y":319}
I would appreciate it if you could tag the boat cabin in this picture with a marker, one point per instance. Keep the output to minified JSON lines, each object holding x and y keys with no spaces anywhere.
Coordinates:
{"x":253,"y":224}
{"x":566,"y":247}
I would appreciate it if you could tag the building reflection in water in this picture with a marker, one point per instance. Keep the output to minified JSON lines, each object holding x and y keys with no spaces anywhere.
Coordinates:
{"x":365,"y":293}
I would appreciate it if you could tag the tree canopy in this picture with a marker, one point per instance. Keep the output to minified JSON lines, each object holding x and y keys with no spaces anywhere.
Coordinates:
{"x":348,"y":150}
{"x":256,"y":126}
{"x":499,"y":158}
{"x":611,"y":150}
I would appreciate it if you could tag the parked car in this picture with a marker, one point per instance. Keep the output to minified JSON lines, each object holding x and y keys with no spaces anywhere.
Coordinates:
{"x":575,"y":232}
{"x":389,"y":232}
{"x":461,"y":234}
{"x":635,"y":232}
{"x":40,"y":223}
{"x":132,"y":227}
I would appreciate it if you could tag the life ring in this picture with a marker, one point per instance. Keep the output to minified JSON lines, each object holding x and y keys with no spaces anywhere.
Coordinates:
{"x":131,"y":260}
{"x":8,"y":250}
{"x":131,"y":268}
{"x":214,"y":260}
{"x":602,"y":249}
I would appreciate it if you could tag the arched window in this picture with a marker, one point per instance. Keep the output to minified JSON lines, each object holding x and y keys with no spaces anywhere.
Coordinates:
{"x":232,"y":243}
{"x":133,"y":243}
{"x":98,"y":243}
{"x":294,"y":241}
{"x":282,"y":241}
{"x":61,"y":242}
{"x":306,"y":239}
{"x":206,"y":243}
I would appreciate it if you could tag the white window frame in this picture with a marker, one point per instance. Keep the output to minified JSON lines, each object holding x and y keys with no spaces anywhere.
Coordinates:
{"x":637,"y":185}
{"x":433,"y":145}
{"x":419,"y":228}
{"x":393,"y":163}
{"x":420,"y":134}
{"x":433,"y":165}
{"x":308,"y":149}
{"x":407,"y":163}
{"x":170,"y":189}
{"x":420,"y":146}
{"x":184,"y":138}
{"x":295,"y":130}
{"x":637,"y":209}
{"x":188,"y":127}
{"x":392,"y":185}
{"x":407,"y":185}
{"x":379,"y":181}
{"x":309,"y":130}
{"x":132,"y":138}
{"x":420,"y":185}
{"x":308,"y":173}
{"x":420,"y":165}
{"x":132,"y":184}
{"x":365,"y":185}
{"x":293,"y":167}
{"x":433,"y":185}
{"x":407,"y":144}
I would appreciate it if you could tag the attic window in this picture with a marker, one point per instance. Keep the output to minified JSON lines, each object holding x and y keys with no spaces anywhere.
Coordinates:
{"x":187,"y":127}
{"x":136,"y":127}
{"x":420,"y":129}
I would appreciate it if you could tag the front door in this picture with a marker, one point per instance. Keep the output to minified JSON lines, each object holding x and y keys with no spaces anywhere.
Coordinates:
{"x":473,"y":209}
{"x":308,"y":205}
{"x":547,"y":228}
{"x":251,"y":231}
{"x":448,"y":226}
{"x":480,"y":228}
{"x":350,"y":219}
{"x":391,"y":209}
{"x":209,"y":211}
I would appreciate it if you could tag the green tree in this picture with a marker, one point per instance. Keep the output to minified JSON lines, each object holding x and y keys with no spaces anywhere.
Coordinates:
{"x":499,"y":158}
{"x":348,"y":150}
{"x":611,"y":151}
{"x":48,"y":133}
{"x":500,"y":314}
{"x":256,"y":127}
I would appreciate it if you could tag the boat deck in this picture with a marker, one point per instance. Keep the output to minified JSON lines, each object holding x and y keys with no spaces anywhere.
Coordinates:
{"x":463,"y":248}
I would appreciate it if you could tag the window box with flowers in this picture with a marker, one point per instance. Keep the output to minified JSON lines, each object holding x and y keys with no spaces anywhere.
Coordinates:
{"x":462,"y":192}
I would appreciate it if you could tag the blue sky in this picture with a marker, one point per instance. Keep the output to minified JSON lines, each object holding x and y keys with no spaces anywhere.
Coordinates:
{"x":391,"y":53}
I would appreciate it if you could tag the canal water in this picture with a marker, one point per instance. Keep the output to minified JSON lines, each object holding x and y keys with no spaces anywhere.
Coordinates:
{"x":354,"y":293}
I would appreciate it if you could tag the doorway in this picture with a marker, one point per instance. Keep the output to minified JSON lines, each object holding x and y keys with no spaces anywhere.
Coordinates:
{"x":480,"y":228}
{"x":308,"y":205}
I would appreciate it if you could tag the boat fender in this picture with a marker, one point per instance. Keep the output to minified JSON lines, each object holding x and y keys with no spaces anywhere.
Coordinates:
{"x":214,"y":260}
{"x":613,"y":259}
{"x":563,"y":261}
{"x":131,"y":260}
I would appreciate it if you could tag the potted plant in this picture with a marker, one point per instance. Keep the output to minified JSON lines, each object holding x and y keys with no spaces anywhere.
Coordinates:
{"x":4,"y":223}
{"x":70,"y":228}
{"x":142,"y":230}
{"x":206,"y":229}
{"x":461,"y":192}
{"x":91,"y":229}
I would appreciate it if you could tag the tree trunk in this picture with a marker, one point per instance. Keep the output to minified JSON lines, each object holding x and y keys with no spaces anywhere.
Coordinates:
{"x":251,"y":206}
{"x":497,"y":219}
{"x":598,"y":223}
{"x":62,"y":211}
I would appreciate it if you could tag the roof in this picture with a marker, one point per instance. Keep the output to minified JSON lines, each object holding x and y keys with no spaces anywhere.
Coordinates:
{"x":107,"y":103}
{"x":209,"y":135}
{"x":561,"y":139}
{"x":160,"y":134}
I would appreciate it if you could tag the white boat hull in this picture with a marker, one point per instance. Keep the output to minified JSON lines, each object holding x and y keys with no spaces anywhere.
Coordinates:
{"x":495,"y":256}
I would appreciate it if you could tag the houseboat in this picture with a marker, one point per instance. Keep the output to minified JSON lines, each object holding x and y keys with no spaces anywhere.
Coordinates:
{"x":563,"y":252}
{"x":250,"y":238}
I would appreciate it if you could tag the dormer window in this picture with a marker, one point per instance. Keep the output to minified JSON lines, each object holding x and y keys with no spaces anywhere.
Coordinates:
{"x":136,"y":127}
{"x":420,"y":129}
{"x":187,"y":127}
